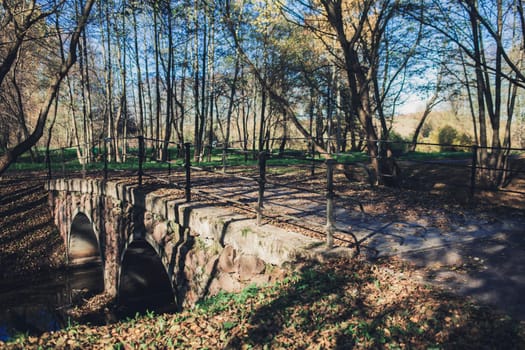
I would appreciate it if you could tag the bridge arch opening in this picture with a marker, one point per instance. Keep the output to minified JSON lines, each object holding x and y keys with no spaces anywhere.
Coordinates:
{"x":83,"y":246}
{"x":144,"y":283}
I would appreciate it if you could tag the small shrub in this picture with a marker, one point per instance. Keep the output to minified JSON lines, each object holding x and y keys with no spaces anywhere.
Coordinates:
{"x":464,"y":139}
{"x":446,"y":136}
{"x":426,"y":130}
{"x":398,"y":145}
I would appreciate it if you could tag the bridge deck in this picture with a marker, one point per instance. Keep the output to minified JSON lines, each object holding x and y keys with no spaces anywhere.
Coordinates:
{"x":378,"y":225}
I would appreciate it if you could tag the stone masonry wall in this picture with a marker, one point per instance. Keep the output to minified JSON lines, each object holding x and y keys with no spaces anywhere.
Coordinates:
{"x":204,"y":249}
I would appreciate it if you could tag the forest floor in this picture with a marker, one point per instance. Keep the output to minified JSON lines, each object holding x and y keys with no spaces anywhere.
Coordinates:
{"x":392,"y":302}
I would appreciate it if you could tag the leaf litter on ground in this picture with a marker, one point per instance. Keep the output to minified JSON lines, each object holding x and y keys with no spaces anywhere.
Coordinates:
{"x":344,"y":303}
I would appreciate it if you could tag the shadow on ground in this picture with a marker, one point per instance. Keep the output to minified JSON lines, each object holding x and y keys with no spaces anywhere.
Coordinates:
{"x":491,"y":270}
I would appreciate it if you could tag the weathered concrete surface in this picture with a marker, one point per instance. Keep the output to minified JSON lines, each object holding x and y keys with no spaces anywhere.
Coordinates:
{"x":203,"y":248}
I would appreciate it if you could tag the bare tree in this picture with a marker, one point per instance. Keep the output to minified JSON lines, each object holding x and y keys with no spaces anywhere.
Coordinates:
{"x":13,"y":153}
{"x":431,"y":102}
{"x":489,"y":35}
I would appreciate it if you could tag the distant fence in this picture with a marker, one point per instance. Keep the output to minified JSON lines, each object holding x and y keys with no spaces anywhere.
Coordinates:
{"x":141,"y":158}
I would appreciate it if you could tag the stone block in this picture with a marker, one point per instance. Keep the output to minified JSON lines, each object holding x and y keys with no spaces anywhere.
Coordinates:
{"x":228,"y":283}
{"x":260,"y":280}
{"x":148,"y":221}
{"x":160,"y":231}
{"x":174,"y":232}
{"x":172,"y":213}
{"x":211,"y":266}
{"x":189,"y":265}
{"x":168,"y":251}
{"x":227,"y":260}
{"x":110,"y":190}
{"x":200,"y":261}
{"x":213,"y":289}
{"x":249,"y":266}
{"x":156,"y":204}
{"x":190,"y":298}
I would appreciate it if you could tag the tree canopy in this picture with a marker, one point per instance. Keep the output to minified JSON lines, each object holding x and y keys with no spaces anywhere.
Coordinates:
{"x":257,"y":74}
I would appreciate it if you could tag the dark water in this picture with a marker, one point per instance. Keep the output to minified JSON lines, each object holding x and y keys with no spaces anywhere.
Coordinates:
{"x":38,"y":304}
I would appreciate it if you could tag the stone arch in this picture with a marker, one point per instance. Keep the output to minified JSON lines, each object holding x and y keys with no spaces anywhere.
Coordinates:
{"x":83,"y":244}
{"x":143,"y":278}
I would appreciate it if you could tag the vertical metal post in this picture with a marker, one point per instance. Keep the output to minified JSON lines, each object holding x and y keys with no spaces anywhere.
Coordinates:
{"x":105,"y":159}
{"x":262,"y":183}
{"x":48,"y":163}
{"x":473,"y":170}
{"x":168,"y":157}
{"x":312,"y":149}
{"x":84,"y":160}
{"x":141,"y":159}
{"x":378,"y":161}
{"x":187,"y":166}
{"x":330,"y":217}
{"x":209,"y":148}
{"x":125,"y":150}
{"x":63,"y":162}
{"x":224,"y":159}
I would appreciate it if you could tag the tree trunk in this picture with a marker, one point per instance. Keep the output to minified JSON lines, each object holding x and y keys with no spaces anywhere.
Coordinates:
{"x":87,"y":102}
{"x":204,"y":97}
{"x":169,"y":88}
{"x":211,"y":92}
{"x":231,"y":100}
{"x":157,"y":81}
{"x":431,"y":103}
{"x":150,"y":98}
{"x":139,"y":75}
{"x":196,"y":82}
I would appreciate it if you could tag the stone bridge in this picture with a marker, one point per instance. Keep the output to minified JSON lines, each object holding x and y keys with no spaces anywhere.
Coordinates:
{"x":153,"y":240}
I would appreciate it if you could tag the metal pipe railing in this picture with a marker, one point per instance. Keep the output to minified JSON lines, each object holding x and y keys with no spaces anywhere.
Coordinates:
{"x":265,"y":160}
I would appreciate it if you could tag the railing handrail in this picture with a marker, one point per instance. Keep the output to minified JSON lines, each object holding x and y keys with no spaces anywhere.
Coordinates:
{"x":138,"y":153}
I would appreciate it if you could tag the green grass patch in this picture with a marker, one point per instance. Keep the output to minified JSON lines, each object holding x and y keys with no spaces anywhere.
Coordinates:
{"x":224,"y":301}
{"x":351,"y":157}
{"x":65,"y":160}
{"x":422,"y":156}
